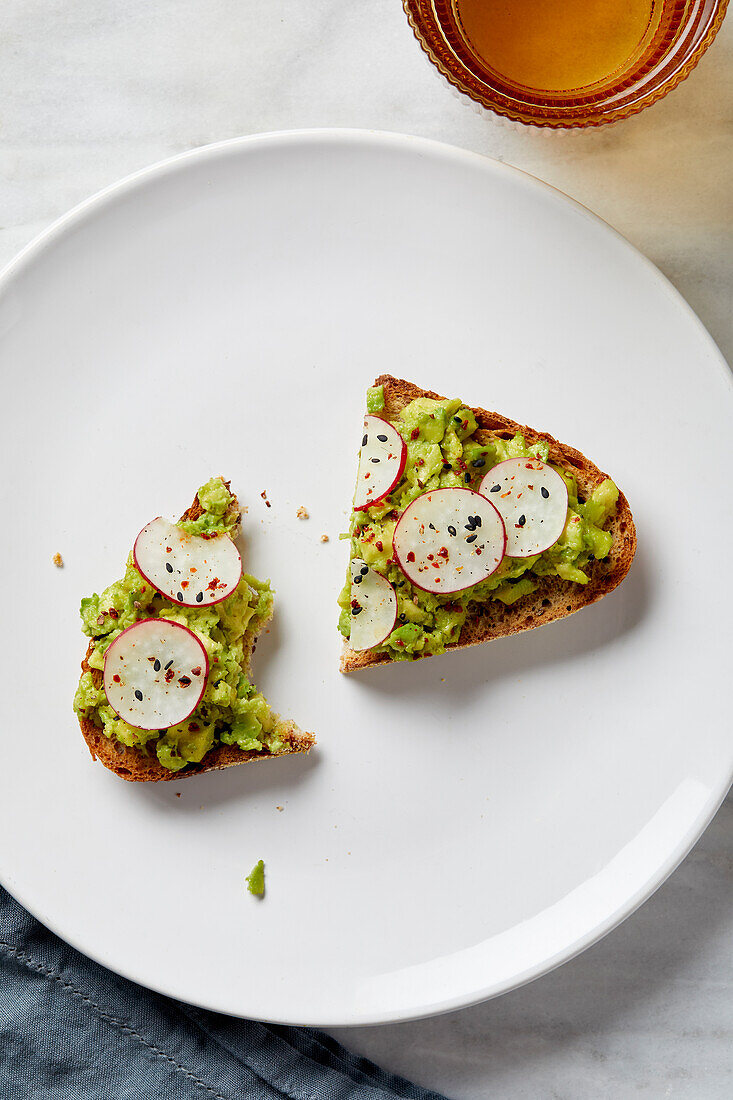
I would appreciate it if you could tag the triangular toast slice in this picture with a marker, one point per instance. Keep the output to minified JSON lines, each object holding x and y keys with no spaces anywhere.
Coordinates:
{"x":553,"y":597}
{"x":141,"y":764}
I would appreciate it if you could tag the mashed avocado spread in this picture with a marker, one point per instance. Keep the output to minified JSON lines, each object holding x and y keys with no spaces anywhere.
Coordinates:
{"x":232,"y":711}
{"x":445,"y":448}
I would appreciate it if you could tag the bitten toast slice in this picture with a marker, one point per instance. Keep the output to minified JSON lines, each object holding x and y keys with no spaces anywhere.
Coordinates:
{"x":140,"y":764}
{"x":554,"y":598}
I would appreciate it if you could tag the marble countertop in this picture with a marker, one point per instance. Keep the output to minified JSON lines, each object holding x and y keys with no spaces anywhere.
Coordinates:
{"x":91,"y":90}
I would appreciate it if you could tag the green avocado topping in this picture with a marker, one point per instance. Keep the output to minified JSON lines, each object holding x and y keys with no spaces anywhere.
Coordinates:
{"x":232,"y":711}
{"x":446,"y":448}
{"x":256,"y":879}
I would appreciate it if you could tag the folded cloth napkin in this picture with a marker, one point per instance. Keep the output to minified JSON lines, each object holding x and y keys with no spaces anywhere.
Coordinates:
{"x":71,"y":1030}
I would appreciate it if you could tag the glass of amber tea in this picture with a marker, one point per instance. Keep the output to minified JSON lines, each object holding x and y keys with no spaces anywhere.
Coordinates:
{"x":565,"y":63}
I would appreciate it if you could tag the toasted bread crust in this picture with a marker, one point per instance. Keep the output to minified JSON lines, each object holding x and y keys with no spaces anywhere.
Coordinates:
{"x":553,"y":598}
{"x":136,"y":765}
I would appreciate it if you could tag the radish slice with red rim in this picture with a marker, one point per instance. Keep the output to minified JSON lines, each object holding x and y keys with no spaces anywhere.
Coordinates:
{"x":373,"y":606}
{"x":155,"y":674}
{"x":448,"y":540}
{"x":190,"y":570}
{"x":533,"y":501}
{"x":381,"y":461}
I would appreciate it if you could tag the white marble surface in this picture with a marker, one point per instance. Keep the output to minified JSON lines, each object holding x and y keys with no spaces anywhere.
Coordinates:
{"x":93,"y":89}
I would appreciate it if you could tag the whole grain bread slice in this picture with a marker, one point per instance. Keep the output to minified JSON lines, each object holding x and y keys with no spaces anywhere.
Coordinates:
{"x":140,"y":766}
{"x":553,"y":598}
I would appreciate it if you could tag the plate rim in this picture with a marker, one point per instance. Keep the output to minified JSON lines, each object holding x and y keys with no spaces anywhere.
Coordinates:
{"x":430,"y":148}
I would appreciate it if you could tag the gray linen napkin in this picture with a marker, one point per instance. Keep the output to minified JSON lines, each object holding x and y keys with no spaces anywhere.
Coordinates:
{"x":71,"y":1030}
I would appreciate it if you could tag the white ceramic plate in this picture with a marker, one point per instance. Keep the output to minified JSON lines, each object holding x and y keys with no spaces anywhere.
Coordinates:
{"x":468,"y":822}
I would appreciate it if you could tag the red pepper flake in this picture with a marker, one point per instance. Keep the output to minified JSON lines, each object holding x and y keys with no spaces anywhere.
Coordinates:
{"x":530,"y":486}
{"x":379,"y":546}
{"x":414,"y":434}
{"x":184,"y":584}
{"x":355,"y":603}
{"x":213,"y":585}
{"x":196,"y":671}
{"x":437,"y":580}
{"x":367,"y":476}
{"x":116,"y":679}
{"x":192,"y":569}
{"x":464,"y":424}
{"x":113,"y":614}
{"x":169,"y":675}
{"x":184,"y":681}
{"x":420,"y":462}
{"x":263,"y":494}
{"x":410,"y":556}
{"x":430,"y":557}
{"x":194,"y":727}
{"x":168,"y":549}
{"x":443,"y":552}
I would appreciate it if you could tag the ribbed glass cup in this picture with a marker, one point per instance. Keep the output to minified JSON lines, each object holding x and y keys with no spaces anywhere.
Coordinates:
{"x":687,"y":27}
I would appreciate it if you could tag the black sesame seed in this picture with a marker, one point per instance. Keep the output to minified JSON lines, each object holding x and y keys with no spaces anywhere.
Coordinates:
{"x":358,"y":579}
{"x":139,"y":696}
{"x":478,"y":463}
{"x":452,"y":530}
{"x":403,"y":618}
{"x":430,"y":525}
{"x":471,"y":538}
{"x":169,"y":665}
{"x":545,"y":492}
{"x":477,"y":521}
{"x":470,"y":526}
{"x":156,"y":665}
{"x":180,"y":596}
{"x":169,"y":567}
{"x":364,"y":441}
{"x":200,"y":597}
{"x":364,"y":570}
{"x":375,"y":460}
{"x":458,"y":419}
{"x":357,"y":610}
{"x":382,"y":438}
{"x":521,"y":521}
{"x":495,"y":488}
{"x":447,"y":466}
{"x":466,"y":476}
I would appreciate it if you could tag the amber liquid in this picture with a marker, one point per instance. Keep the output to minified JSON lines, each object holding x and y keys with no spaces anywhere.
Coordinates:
{"x":559,"y":45}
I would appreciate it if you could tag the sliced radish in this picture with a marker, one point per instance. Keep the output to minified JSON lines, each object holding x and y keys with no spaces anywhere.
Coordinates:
{"x":533,"y":501}
{"x":448,"y":540}
{"x":155,"y":674}
{"x":373,"y":606}
{"x":381,"y":461}
{"x":191,"y":570}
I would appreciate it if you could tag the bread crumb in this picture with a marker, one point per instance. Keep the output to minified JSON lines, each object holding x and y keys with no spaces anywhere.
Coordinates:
{"x":263,"y":494}
{"x":280,"y":808}
{"x":324,"y":538}
{"x":57,"y":560}
{"x":302,"y":513}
